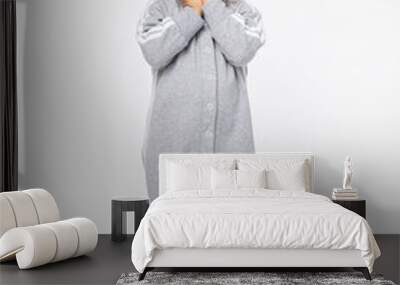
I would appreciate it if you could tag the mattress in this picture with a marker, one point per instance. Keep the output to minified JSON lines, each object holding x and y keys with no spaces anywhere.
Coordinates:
{"x":250,"y":219}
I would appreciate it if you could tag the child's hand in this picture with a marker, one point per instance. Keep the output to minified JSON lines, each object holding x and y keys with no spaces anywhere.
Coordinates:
{"x":196,"y":5}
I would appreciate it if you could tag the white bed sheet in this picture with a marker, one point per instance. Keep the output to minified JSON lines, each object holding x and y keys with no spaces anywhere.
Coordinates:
{"x":250,"y":218}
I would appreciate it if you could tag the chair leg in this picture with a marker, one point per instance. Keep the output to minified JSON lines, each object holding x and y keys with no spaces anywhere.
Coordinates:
{"x":142,"y":275}
{"x":364,"y":271}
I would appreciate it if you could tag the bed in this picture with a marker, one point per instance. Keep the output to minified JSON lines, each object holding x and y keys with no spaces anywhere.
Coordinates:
{"x":247,"y":211}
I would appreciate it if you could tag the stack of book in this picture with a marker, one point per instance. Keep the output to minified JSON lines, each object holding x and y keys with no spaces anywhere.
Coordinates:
{"x":344,"y":194}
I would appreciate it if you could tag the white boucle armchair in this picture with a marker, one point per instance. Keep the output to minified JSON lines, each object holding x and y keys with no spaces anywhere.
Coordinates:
{"x":32,"y":233}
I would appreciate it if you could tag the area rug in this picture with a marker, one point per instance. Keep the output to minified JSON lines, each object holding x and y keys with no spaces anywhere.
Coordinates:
{"x":268,"y":278}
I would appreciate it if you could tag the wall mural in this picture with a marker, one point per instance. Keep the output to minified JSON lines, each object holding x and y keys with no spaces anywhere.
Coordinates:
{"x":198,"y":51}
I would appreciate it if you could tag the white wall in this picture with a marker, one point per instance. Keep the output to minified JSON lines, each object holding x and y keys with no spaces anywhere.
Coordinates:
{"x":327,"y":81}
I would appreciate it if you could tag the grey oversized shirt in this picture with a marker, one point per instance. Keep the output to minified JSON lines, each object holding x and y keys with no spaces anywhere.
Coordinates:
{"x":199,"y":98}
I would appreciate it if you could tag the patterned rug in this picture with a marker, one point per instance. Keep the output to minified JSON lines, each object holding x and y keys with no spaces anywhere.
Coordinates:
{"x":269,"y":278}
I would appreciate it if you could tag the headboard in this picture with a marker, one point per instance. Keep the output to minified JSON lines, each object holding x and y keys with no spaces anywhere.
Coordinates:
{"x":164,"y":158}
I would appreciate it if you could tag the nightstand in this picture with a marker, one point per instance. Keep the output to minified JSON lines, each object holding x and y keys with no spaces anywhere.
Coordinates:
{"x":119,"y":207}
{"x":357,"y":206}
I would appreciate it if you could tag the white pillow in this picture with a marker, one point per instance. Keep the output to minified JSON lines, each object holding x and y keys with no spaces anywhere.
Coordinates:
{"x":186,"y":177}
{"x":237,"y":179}
{"x":251,"y":178}
{"x":223,"y":179}
{"x":193,"y":173}
{"x":282,"y":174}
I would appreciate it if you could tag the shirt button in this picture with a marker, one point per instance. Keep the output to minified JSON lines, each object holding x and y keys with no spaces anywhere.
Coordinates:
{"x":209,"y":133}
{"x":208,"y":50}
{"x":210,"y":106}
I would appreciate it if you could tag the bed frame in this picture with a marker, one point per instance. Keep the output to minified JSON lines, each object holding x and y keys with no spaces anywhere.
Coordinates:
{"x":236,"y":259}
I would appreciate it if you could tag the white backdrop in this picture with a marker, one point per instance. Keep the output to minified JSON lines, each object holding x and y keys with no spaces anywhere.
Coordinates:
{"x":327,"y":81}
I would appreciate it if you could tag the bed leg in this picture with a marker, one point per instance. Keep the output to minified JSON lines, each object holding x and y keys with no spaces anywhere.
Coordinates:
{"x":142,"y":275}
{"x":365,"y":272}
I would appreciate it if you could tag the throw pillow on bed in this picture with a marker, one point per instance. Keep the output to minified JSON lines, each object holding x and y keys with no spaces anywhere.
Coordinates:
{"x":282,"y":174}
{"x":223,"y":179}
{"x":251,"y":178}
{"x":193,"y":174}
{"x":183,"y":177}
{"x":237,"y":179}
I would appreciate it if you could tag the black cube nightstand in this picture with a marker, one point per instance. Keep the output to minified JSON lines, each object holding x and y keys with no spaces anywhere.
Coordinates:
{"x":357,"y":206}
{"x":119,"y":207}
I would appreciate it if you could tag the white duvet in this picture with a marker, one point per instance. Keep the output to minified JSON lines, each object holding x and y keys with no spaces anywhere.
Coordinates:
{"x":251,"y":218}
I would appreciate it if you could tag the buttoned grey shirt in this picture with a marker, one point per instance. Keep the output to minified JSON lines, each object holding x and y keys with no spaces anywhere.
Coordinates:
{"x":199,"y":101}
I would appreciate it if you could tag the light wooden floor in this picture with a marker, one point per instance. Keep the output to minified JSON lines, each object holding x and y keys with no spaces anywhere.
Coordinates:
{"x":110,"y":260}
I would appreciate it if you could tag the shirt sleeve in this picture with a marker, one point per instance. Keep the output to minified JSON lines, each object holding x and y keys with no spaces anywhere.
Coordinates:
{"x":237,"y":29}
{"x":161,"y":36}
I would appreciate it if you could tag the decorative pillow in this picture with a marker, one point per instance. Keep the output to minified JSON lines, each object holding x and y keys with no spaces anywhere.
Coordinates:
{"x":236,"y":179}
{"x":184,"y":177}
{"x":282,"y":174}
{"x":251,"y":178}
{"x":223,"y":179}
{"x":193,"y":173}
